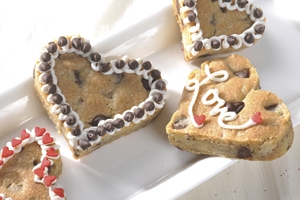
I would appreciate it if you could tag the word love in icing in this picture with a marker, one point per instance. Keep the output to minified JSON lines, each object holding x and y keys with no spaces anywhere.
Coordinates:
{"x":198,"y":121}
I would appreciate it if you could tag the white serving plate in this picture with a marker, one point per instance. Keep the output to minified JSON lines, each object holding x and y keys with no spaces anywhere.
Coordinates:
{"x":143,"y":165}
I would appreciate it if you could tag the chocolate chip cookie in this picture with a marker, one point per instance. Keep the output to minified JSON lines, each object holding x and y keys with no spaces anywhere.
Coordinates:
{"x":94,"y":101}
{"x":224,"y":112}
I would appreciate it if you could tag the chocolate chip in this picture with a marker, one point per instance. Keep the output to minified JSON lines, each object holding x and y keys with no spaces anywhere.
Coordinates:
{"x":271,"y":107}
{"x":235,"y":106}
{"x":51,"y":88}
{"x":155,"y":74}
{"x":104,"y":67}
{"x":139,"y":113}
{"x":181,"y":124}
{"x":46,"y":57}
{"x":119,"y":123}
{"x":47,"y":78}
{"x":149,"y":106}
{"x":44,"y":66}
{"x":109,"y":126}
{"x":76,"y":43}
{"x":77,"y":77}
{"x":100,"y":130}
{"x":189,"y":3}
{"x":120,"y":64}
{"x":259,"y":29}
{"x":97,"y":119}
{"x":71,"y":120}
{"x":128,"y":117}
{"x":92,"y":135}
{"x":231,"y":40}
{"x":84,"y":144}
{"x":147,"y":65}
{"x":242,"y":3}
{"x":198,"y":45}
{"x":244,"y":152}
{"x":145,"y":84}
{"x":86,"y":47}
{"x":258,"y":13}
{"x":215,"y":44}
{"x":57,"y":98}
{"x":65,"y":109}
{"x":249,"y":38}
{"x":243,"y":73}
{"x":157,"y":97}
{"x":95,"y":57}
{"x":133,"y":64}
{"x":51,"y":48}
{"x":227,"y":1}
{"x":76,"y":131}
{"x":62,"y":41}
{"x":160,"y":85}
{"x":191,"y":16}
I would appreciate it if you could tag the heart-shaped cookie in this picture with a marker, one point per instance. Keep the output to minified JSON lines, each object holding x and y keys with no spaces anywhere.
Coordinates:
{"x":223,"y":112}
{"x":92,"y":101}
{"x":27,"y":170}
{"x":218,"y":26}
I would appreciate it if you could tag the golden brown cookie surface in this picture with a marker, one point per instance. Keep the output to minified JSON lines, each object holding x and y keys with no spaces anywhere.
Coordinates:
{"x":30,"y":166}
{"x":215,"y":27}
{"x":94,"y":101}
{"x":223,"y":112}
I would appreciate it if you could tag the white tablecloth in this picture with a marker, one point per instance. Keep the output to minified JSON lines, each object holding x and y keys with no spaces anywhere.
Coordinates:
{"x":27,"y":25}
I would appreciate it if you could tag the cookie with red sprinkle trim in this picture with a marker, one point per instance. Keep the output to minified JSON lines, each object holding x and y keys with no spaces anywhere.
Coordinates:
{"x":224,"y":112}
{"x":26,"y":171}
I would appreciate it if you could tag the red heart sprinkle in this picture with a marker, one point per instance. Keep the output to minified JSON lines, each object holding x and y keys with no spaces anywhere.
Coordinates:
{"x":47,"y":139}
{"x":39,"y":131}
{"x":6,"y":152}
{"x":46,"y":162}
{"x":15,"y":142}
{"x":1,"y":162}
{"x":256,"y":118}
{"x":0,"y":198}
{"x":199,"y":119}
{"x":48,"y":180}
{"x":24,"y":135}
{"x":59,"y":192}
{"x":39,"y":171}
{"x":51,"y":152}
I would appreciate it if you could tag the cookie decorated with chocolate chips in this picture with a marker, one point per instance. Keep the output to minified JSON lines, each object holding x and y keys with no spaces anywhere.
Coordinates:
{"x":223,"y":112}
{"x":92,"y":100}
{"x":218,"y":26}
{"x":30,"y":166}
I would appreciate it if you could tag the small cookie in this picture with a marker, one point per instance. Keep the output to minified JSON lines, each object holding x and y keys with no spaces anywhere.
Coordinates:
{"x":30,"y":166}
{"x":92,"y":100}
{"x":218,"y":26}
{"x":223,"y":112}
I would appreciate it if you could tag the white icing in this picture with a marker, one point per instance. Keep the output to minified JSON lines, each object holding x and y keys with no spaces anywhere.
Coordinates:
{"x":73,"y":140}
{"x":211,"y":97}
{"x":32,"y":137}
{"x":197,"y":31}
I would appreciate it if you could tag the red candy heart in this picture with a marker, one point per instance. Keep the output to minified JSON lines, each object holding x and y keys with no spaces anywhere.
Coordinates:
{"x":15,"y":142}
{"x":39,"y":131}
{"x":59,"y":192}
{"x":199,"y":119}
{"x":24,"y":135}
{"x":39,"y":171}
{"x":46,"y":162}
{"x":47,"y":139}
{"x":256,"y":118}
{"x":1,"y":162}
{"x":6,"y":152}
{"x":48,"y":180}
{"x":51,"y":152}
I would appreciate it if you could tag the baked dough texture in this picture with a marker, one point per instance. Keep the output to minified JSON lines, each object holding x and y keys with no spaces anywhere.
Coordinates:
{"x":268,"y":133}
{"x":92,"y":100}
{"x":211,"y":27}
